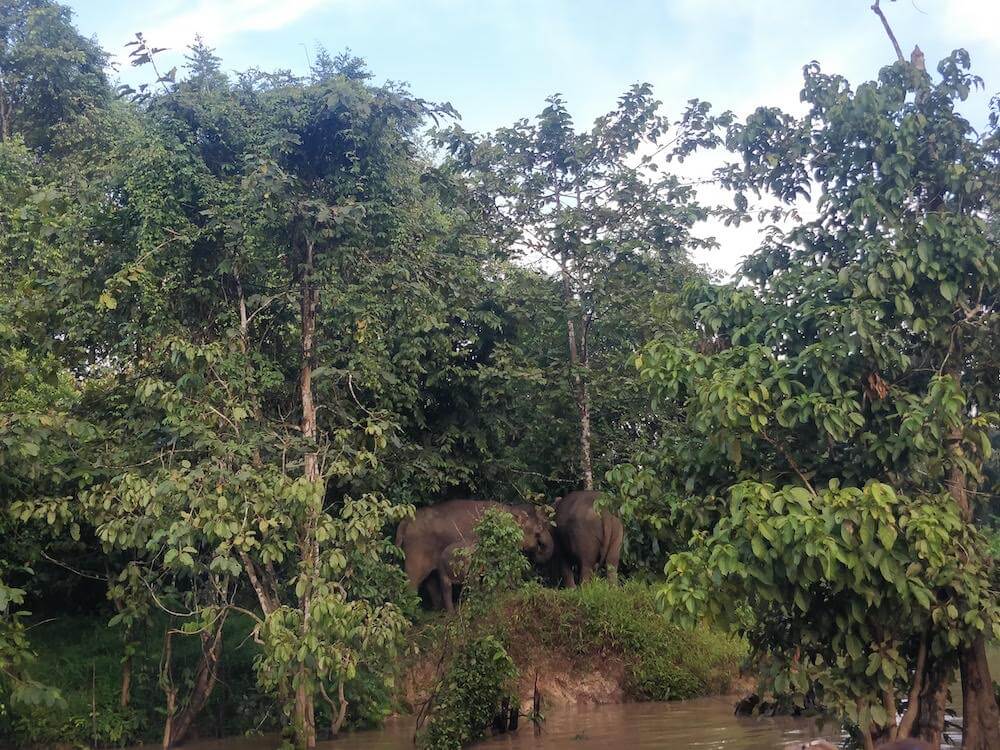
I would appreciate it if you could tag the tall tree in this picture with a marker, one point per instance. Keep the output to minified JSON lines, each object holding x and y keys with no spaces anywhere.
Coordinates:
{"x":842,"y":398}
{"x":595,"y":210}
{"x":49,"y":73}
{"x":268,"y":313}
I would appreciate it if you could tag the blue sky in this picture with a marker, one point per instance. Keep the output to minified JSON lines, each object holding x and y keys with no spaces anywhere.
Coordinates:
{"x":496,"y":60}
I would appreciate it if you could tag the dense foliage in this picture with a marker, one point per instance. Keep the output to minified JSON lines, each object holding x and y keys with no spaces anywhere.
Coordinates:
{"x":248,"y":322}
{"x":839,"y":402}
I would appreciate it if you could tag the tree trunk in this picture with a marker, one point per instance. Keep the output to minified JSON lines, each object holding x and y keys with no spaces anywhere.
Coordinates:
{"x":338,"y":710}
{"x":5,"y":107}
{"x":305,"y":719}
{"x":206,"y":676}
{"x":928,"y":725}
{"x":579,"y":365}
{"x":980,"y":715}
{"x":578,"y":361}
{"x":125,"y":697}
{"x":305,"y":715}
{"x":909,"y":718}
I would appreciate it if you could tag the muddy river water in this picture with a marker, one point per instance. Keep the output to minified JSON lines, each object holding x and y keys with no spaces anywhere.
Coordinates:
{"x":703,"y":724}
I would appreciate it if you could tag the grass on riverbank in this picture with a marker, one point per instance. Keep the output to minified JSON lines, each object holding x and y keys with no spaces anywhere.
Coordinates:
{"x":600,"y":622}
{"x":599,"y":643}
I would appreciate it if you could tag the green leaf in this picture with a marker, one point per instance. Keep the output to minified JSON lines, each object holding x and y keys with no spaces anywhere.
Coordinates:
{"x":924,"y":251}
{"x":887,"y":535}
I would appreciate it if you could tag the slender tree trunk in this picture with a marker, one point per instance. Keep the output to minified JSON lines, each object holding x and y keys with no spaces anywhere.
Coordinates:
{"x":268,"y":603}
{"x":909,"y":718}
{"x":305,"y":718}
{"x":125,"y":696}
{"x":338,"y":710}
{"x":206,"y":676}
{"x":585,"y":437}
{"x":125,"y":693}
{"x":167,"y":684}
{"x":579,"y":364}
{"x":4,"y":110}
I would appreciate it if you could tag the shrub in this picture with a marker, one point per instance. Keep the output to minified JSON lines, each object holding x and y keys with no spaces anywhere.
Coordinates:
{"x":479,"y":679}
{"x":481,"y":675}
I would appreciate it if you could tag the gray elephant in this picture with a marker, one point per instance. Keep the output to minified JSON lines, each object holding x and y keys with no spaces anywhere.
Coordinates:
{"x":451,"y":524}
{"x":586,"y":539}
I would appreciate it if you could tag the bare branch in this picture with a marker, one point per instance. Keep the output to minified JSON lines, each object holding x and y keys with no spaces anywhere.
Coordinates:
{"x":888,"y":30}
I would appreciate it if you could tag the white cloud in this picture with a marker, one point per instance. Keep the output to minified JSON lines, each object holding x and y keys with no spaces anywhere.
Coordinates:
{"x":976,"y":19}
{"x":177,"y":23}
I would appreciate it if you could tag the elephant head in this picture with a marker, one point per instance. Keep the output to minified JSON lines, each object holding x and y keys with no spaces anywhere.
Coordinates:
{"x":538,"y":542}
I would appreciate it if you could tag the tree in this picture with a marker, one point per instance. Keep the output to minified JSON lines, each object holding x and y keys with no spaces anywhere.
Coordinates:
{"x":594,"y":208}
{"x":49,"y":73}
{"x":842,"y":398}
{"x":266,"y":310}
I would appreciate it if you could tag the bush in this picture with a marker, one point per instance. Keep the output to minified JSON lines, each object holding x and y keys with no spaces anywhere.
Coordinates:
{"x":479,"y":679}
{"x":481,"y":675}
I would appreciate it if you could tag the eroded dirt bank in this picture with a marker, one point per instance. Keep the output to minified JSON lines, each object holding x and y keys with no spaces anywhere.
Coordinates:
{"x":597,"y":645}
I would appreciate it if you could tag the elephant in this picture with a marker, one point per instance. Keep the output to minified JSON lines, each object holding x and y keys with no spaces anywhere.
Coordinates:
{"x":586,"y":539}
{"x":433,"y":529}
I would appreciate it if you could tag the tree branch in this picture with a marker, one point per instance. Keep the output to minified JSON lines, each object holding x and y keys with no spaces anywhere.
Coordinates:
{"x":888,"y":30}
{"x":791,"y":461}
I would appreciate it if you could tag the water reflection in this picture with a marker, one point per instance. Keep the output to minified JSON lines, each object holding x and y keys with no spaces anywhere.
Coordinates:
{"x":704,"y":723}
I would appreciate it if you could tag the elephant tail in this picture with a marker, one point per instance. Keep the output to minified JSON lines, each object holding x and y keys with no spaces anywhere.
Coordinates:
{"x":401,"y":532}
{"x":612,"y":532}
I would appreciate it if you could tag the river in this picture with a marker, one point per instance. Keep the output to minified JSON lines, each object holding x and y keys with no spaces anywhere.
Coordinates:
{"x":703,"y":724}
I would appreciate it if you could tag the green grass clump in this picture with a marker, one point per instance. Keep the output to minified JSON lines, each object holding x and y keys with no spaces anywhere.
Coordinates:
{"x":598,"y":622}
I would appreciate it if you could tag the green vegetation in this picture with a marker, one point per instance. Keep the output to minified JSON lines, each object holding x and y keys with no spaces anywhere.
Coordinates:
{"x":83,"y":656}
{"x":505,"y":634}
{"x":249,"y":322}
{"x":600,"y":622}
{"x":839,"y":403}
{"x":600,"y":628}
{"x":479,"y":678}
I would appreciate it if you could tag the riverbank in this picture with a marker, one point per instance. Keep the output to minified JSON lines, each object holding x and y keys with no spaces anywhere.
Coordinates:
{"x":598,"y":644}
{"x":595,"y":645}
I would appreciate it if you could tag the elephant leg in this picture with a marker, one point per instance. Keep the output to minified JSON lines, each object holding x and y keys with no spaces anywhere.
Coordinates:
{"x":568,"y":579}
{"x":434,"y":592}
{"x":586,"y":573}
{"x":614,"y":552}
{"x":612,"y":563}
{"x":419,"y":572}
{"x":447,"y":591}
